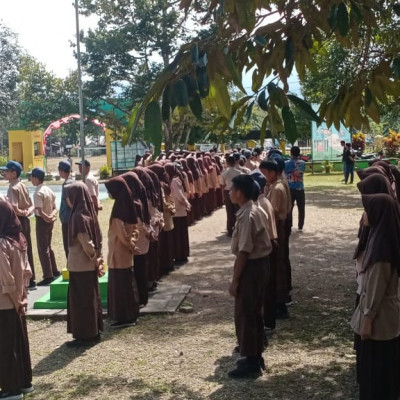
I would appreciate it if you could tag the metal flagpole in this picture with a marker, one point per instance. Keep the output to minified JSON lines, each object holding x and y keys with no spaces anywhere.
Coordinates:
{"x":81,"y":121}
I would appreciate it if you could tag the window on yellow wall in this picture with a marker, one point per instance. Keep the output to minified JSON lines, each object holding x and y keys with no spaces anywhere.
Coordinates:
{"x":37,"y":148}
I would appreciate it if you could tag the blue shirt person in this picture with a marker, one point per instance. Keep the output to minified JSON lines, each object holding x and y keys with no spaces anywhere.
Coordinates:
{"x":294,"y":170}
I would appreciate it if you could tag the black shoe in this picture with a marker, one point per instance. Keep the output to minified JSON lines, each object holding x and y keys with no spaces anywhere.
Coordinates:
{"x":244,"y":360}
{"x":11,"y":395}
{"x":246,"y":370}
{"x":116,"y":325}
{"x":32,"y":285}
{"x":84,"y":342}
{"x":27,"y":389}
{"x":56,"y":274}
{"x":282,"y":311}
{"x":45,"y":282}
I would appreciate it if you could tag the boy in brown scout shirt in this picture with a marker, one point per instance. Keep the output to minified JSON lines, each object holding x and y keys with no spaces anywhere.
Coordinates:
{"x":251,"y":245}
{"x":18,"y":196}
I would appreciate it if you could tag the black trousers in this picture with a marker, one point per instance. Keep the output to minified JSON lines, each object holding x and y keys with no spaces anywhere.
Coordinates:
{"x":26,"y":230}
{"x":248,"y":307}
{"x":299,"y":197}
{"x":231,"y":210}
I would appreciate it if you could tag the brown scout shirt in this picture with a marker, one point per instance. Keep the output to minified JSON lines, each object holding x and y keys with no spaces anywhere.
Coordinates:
{"x":251,"y":233}
{"x":379,"y":299}
{"x":18,"y":196}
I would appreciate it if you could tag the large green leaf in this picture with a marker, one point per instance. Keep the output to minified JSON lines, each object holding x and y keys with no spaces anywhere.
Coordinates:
{"x":305,"y":108}
{"x":263,"y":132}
{"x":249,"y":111}
{"x":219,"y":92}
{"x":166,"y":103}
{"x":263,"y":101}
{"x":180,"y":93}
{"x":343,"y":22}
{"x":196,"y":106}
{"x":153,"y":125}
{"x":133,"y":116}
{"x":289,"y":124}
{"x":236,"y":76}
{"x":203,"y":82}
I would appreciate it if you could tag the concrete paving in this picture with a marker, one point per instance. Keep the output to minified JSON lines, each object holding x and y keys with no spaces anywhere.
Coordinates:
{"x":166,"y":300}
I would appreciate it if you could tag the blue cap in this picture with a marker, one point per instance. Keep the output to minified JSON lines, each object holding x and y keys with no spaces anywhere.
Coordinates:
{"x":38,"y":173}
{"x":247,"y":153}
{"x":64,"y":166}
{"x":13,"y":166}
{"x":259,"y":178}
{"x":236,"y":156}
{"x":87,"y":163}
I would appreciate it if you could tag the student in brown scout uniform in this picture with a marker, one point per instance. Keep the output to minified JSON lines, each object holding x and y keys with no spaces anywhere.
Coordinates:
{"x":18,"y":196}
{"x":45,"y":213}
{"x":376,"y":321}
{"x":85,"y":264}
{"x":15,"y":272}
{"x":182,"y":206}
{"x":91,"y":183}
{"x":230,"y":208}
{"x":123,"y":296}
{"x":251,"y":245}
{"x":277,"y":196}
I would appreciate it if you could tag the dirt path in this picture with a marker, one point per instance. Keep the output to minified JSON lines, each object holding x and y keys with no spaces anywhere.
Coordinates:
{"x":186,"y":356}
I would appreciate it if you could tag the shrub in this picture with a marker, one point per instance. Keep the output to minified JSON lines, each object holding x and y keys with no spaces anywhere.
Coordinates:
{"x":3,"y":161}
{"x":392,"y":143}
{"x":104,"y":172}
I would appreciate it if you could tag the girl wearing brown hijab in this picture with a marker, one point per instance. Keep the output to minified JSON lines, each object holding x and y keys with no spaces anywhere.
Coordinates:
{"x":197,"y":199}
{"x":220,"y":191}
{"x":15,"y":272}
{"x":204,"y":186}
{"x":149,"y":280}
{"x":182,"y":206}
{"x":145,"y":234}
{"x":154,"y":193}
{"x":123,"y":296}
{"x":376,"y":321}
{"x":166,"y":236}
{"x":189,"y":174}
{"x":85,"y":264}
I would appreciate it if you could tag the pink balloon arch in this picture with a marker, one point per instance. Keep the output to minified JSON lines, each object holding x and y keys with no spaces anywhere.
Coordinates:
{"x":57,"y":125}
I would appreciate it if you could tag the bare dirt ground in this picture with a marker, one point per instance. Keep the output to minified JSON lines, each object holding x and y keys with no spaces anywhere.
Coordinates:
{"x":187,"y":356}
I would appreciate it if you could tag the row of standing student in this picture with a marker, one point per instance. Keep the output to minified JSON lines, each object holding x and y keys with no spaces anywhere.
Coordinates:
{"x":148,"y":234}
{"x":261,"y":281}
{"x":376,"y":319}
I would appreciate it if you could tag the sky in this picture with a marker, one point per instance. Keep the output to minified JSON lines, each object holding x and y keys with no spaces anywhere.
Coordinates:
{"x":45,"y":29}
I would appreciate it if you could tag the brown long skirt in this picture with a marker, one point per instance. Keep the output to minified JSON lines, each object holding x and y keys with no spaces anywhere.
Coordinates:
{"x":166,"y":252}
{"x":141,"y":270}
{"x":84,"y":317}
{"x":153,"y":262}
{"x":219,"y":192}
{"x":123,"y":296}
{"x":181,"y":239}
{"x":378,"y":368}
{"x":15,"y":359}
{"x":196,"y":205}
{"x":210,"y":201}
{"x":248,"y":307}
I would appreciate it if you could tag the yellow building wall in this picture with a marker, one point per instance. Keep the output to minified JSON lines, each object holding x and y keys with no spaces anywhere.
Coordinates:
{"x":26,"y":147}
